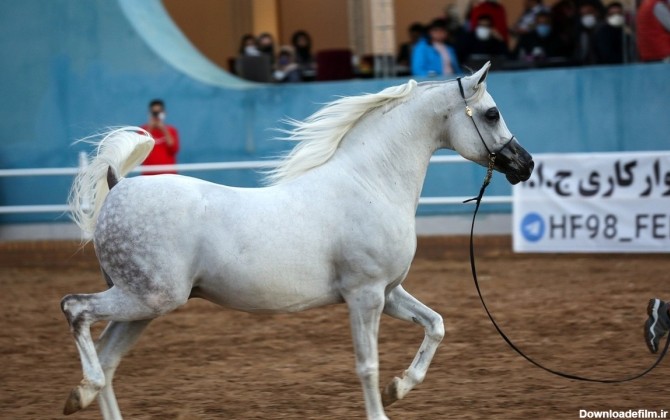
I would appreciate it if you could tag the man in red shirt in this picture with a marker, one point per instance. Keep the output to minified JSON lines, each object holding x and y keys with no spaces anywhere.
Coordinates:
{"x":166,"y":138}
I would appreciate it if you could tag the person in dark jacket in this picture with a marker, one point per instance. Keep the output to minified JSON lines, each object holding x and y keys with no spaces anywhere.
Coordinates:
{"x":541,"y":42}
{"x":612,"y":42}
{"x":483,"y":42}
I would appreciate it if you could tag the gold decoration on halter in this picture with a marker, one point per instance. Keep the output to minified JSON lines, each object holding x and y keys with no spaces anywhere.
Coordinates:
{"x":468,"y":111}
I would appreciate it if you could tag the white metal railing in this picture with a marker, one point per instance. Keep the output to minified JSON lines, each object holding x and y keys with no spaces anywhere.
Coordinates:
{"x":191,"y":167}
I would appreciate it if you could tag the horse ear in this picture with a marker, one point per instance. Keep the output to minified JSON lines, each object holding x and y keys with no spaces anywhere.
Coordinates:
{"x":471,"y":83}
{"x":481,"y":74}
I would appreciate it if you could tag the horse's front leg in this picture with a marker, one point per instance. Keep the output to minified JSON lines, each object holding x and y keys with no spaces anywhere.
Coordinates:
{"x":402,"y":305}
{"x":365,"y":309}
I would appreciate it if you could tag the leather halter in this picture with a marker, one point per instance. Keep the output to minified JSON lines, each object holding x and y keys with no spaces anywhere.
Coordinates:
{"x":468,"y":112}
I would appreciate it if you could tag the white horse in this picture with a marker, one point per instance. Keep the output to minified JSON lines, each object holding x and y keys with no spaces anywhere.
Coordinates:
{"x":336,"y":225}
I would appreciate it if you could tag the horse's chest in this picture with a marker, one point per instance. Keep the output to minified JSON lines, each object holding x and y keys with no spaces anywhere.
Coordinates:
{"x":384,"y":257}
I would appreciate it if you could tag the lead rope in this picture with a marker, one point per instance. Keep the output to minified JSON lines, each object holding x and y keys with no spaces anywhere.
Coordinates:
{"x":478,"y":199}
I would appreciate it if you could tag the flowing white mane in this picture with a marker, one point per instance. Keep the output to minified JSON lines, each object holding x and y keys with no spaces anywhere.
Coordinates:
{"x":321,"y":133}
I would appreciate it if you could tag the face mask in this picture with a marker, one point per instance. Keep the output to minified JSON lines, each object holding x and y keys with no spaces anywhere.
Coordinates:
{"x":482,"y":33}
{"x":543,"y":30}
{"x":251,"y":50}
{"x":589,"y":21}
{"x":615,"y":20}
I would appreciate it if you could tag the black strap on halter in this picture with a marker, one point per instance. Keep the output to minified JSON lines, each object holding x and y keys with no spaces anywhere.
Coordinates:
{"x":478,"y":199}
{"x":468,"y":112}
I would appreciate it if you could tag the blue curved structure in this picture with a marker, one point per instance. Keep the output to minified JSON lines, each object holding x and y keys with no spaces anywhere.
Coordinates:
{"x":74,"y":67}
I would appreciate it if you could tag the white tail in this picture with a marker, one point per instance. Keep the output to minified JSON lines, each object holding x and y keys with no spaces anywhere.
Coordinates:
{"x":120,"y":149}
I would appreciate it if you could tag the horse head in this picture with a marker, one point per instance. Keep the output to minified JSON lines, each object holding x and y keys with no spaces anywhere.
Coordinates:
{"x":479,"y":130}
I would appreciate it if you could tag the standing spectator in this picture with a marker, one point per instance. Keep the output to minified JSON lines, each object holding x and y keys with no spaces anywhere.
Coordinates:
{"x":287,"y":70}
{"x":526,"y":22}
{"x":540,"y":43}
{"x":612,"y":40}
{"x":585,"y":51}
{"x":165,"y":136}
{"x":302,"y":45}
{"x":432,"y":56}
{"x":496,"y":13}
{"x":483,"y":43}
{"x":415,"y":32}
{"x":653,"y":30}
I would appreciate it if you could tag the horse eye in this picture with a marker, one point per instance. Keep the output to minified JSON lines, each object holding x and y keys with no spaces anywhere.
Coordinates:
{"x":492,"y":114}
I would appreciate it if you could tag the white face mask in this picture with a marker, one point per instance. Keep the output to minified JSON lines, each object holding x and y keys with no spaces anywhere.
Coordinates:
{"x":615,"y":20}
{"x":482,"y":33}
{"x":589,"y":21}
{"x":251,"y":50}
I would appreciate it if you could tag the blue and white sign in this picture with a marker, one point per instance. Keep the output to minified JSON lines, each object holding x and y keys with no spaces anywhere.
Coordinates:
{"x":594,"y":202}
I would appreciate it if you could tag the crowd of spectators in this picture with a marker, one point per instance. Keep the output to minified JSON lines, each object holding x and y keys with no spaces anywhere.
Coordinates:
{"x":286,"y":64}
{"x":569,"y":33}
{"x":563,"y":33}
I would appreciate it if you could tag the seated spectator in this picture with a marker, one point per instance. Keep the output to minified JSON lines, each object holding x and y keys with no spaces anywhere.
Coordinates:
{"x":248,"y":46}
{"x":565,"y":25}
{"x":526,"y":23}
{"x":432,"y":56}
{"x":540,"y":43}
{"x":585,"y":48}
{"x":484,"y":42}
{"x":266,"y":45}
{"x":597,"y":4}
{"x":497,"y":15}
{"x":611,"y":38}
{"x":302,"y":45}
{"x":415,"y":32}
{"x":653,"y":30}
{"x":287,"y":70}
{"x":454,"y":24}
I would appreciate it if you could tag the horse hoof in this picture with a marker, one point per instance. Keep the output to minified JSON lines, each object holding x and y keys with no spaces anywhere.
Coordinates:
{"x":73,"y":403}
{"x":80,"y":398}
{"x":390,"y":394}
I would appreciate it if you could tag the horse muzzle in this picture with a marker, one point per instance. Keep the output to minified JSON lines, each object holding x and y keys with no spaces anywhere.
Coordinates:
{"x":515,"y":162}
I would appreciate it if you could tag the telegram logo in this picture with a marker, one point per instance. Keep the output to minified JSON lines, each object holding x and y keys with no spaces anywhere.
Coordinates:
{"x":532,"y":227}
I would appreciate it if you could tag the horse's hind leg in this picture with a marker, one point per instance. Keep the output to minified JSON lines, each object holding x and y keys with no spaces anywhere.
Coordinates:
{"x":402,"y":305}
{"x":114,"y":342}
{"x":81,"y":312}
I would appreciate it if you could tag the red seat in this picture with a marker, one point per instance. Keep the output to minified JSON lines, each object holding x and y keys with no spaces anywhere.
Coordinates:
{"x":334,"y":65}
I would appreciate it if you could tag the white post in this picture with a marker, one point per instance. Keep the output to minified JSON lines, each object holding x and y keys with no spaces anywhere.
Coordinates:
{"x":82,"y":165}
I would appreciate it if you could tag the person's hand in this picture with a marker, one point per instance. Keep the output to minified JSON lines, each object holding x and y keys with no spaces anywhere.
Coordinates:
{"x":157,"y":122}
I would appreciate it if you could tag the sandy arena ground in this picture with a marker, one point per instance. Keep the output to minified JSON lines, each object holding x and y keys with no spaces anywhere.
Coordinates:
{"x":578,"y":313}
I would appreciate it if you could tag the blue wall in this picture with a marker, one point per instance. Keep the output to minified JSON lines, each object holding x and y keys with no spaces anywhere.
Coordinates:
{"x":73,"y":67}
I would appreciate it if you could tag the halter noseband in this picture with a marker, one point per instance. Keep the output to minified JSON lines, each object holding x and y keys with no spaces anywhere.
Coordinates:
{"x":468,"y":112}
